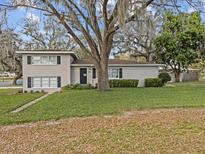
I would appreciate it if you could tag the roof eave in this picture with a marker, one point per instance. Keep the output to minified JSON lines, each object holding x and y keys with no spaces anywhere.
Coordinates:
{"x":123,"y":65}
{"x":43,"y":52}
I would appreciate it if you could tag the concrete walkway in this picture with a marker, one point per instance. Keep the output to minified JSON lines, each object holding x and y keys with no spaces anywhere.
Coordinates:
{"x":31,"y":103}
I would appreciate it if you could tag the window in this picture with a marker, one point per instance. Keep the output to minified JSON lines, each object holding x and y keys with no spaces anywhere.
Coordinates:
{"x":44,"y":82}
{"x":53,"y":82}
{"x":53,"y":60}
{"x":44,"y":60}
{"x":114,"y":73}
{"x":36,"y":82}
{"x":36,"y":60}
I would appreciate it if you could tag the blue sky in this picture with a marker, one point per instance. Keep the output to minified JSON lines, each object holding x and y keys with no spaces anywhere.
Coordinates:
{"x":16,"y":17}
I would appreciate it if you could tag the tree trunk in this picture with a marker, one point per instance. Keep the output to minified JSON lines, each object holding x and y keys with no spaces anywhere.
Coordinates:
{"x":102,"y":75}
{"x":177,"y":75}
{"x":103,"y":82}
{"x":18,"y":76}
{"x":102,"y":64}
{"x":147,"y":58}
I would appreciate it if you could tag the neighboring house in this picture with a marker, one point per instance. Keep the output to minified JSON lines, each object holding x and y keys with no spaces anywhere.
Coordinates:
{"x":51,"y":70}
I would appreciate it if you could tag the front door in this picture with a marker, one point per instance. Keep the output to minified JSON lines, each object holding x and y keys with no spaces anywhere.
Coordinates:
{"x":83,"y":75}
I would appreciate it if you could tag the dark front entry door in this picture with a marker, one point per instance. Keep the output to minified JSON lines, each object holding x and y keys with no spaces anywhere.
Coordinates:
{"x":83,"y":75}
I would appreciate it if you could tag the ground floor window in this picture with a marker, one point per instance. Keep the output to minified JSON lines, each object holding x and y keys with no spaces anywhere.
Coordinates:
{"x":44,"y":82}
{"x":36,"y":82}
{"x":114,"y":73}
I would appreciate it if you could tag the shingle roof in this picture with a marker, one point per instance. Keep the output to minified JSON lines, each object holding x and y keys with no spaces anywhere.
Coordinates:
{"x":116,"y":62}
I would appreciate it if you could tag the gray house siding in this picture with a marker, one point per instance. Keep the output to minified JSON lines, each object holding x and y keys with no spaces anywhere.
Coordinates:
{"x":140,"y":73}
{"x":130,"y":72}
{"x":60,"y":70}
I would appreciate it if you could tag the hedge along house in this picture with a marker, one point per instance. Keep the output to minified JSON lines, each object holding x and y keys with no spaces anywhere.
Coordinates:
{"x":50,"y":70}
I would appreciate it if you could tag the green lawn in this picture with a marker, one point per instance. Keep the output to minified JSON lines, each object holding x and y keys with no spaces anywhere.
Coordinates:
{"x":78,"y":103}
{"x":10,"y":99}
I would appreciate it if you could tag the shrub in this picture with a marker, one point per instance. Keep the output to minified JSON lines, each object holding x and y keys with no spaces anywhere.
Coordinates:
{"x":20,"y":91}
{"x":153,"y":82}
{"x":88,"y":86}
{"x":165,"y":77}
{"x":25,"y":91}
{"x":67,"y":87}
{"x":123,"y":83}
{"x":78,"y":87}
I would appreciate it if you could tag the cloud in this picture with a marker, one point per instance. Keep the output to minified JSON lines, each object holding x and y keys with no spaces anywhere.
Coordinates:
{"x":34,"y":18}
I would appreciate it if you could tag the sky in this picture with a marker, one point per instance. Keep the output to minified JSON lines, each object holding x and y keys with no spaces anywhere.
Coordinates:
{"x":16,"y":17}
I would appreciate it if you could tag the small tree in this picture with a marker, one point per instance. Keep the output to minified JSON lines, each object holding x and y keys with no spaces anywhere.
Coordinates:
{"x":180,"y":42}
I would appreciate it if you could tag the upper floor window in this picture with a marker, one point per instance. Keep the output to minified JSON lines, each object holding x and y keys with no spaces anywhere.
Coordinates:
{"x":44,"y":60}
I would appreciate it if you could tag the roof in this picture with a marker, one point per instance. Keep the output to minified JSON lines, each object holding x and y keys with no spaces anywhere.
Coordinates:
{"x":113,"y":62}
{"x":44,"y":51}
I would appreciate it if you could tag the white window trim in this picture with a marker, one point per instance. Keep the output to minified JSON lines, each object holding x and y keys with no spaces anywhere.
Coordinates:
{"x":41,"y":59}
{"x":41,"y":82}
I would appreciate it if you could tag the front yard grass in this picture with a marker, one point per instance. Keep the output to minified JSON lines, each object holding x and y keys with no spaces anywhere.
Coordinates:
{"x":82,"y":103}
{"x":10,"y":99}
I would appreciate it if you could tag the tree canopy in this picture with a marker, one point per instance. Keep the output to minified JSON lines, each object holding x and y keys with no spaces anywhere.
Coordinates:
{"x":181,"y":41}
{"x":46,"y":36}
